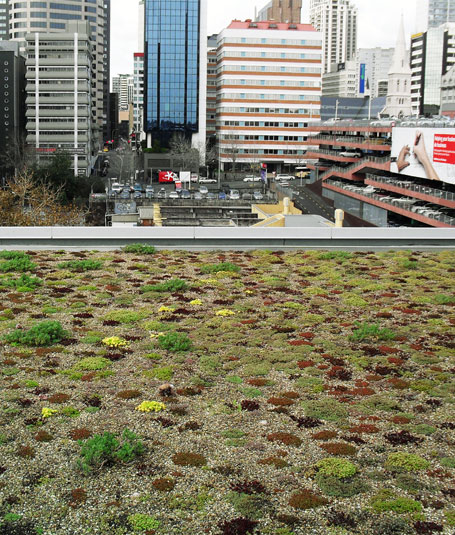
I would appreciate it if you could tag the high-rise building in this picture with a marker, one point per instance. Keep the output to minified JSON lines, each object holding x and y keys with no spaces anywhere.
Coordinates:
{"x":281,"y":11}
{"x":377,"y":63}
{"x":12,"y":111}
{"x":141,"y":26}
{"x":211,"y":86}
{"x":59,"y":95}
{"x":432,"y":55}
{"x":269,"y":93}
{"x":175,"y":70}
{"x":399,"y":102}
{"x":341,"y":81}
{"x":440,"y":12}
{"x":4,"y":20}
{"x":138,"y":91}
{"x":337,"y":20}
{"x":448,"y":93}
{"x":123,"y":86}
{"x":28,"y":17}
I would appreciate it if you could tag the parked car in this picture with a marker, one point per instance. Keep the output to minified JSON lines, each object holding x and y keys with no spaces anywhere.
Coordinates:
{"x":116,"y":187}
{"x":194,"y":177}
{"x":234,"y":194}
{"x":203,"y":190}
{"x":205,"y":180}
{"x":138,"y":187}
{"x":125,"y":194}
{"x":284,"y":177}
{"x":226,"y":188}
{"x":257,"y":196}
{"x":185,"y":194}
{"x":137,"y":194}
{"x":211,"y":196}
{"x":351,"y":154}
{"x":247,"y":197}
{"x":222,"y":196}
{"x":197,"y":196}
{"x":174,"y":195}
{"x":149,"y":192}
{"x":161,"y":194}
{"x":252,"y":178}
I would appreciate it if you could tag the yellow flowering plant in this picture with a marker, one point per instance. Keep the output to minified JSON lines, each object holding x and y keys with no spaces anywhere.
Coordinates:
{"x":225,"y":312}
{"x":115,"y":341}
{"x":196,"y":302}
{"x":164,"y":308}
{"x":46,"y":412}
{"x":151,"y":406}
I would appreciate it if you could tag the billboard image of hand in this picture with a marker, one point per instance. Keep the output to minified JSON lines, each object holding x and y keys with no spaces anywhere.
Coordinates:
{"x":421,"y":154}
{"x":427,"y":153}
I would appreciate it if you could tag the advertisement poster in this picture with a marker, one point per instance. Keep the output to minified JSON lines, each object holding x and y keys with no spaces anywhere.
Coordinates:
{"x":166,"y":176}
{"x":424,"y":153}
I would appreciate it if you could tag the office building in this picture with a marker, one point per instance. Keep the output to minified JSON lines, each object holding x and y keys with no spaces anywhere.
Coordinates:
{"x":432,"y":55}
{"x":342,"y":80}
{"x":337,"y":21}
{"x":138,"y":91}
{"x":59,"y":95}
{"x":123,"y":86}
{"x":4,"y":20}
{"x":28,"y":17}
{"x":269,"y":92}
{"x":399,"y":101}
{"x":211,"y":87}
{"x":448,"y":93}
{"x":281,"y":11}
{"x":12,"y":111}
{"x":175,"y":70}
{"x":377,"y":63}
{"x":440,"y":12}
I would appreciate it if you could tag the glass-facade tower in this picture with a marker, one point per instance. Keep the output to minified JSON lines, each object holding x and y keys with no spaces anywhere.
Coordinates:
{"x":172,"y":68}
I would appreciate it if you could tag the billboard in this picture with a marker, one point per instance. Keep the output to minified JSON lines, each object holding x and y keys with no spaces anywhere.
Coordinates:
{"x":166,"y":176}
{"x":424,"y":153}
{"x":362,"y":79}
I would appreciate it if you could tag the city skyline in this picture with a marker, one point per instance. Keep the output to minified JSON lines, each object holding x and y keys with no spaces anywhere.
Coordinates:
{"x":378,"y":24}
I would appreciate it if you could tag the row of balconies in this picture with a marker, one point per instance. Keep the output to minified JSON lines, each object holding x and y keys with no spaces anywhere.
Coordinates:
{"x":57,"y":113}
{"x":56,"y":139}
{"x":64,"y":98}
{"x":83,"y":61}
{"x":81,"y":86}
{"x":56,"y":75}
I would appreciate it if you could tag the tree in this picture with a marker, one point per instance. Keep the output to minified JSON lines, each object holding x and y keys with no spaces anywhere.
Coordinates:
{"x":27,"y":202}
{"x":231,"y":149}
{"x":186,"y":156}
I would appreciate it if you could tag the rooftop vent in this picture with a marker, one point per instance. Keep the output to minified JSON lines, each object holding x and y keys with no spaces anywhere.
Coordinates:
{"x":292,"y":26}
{"x":273,"y":25}
{"x":253,"y":25}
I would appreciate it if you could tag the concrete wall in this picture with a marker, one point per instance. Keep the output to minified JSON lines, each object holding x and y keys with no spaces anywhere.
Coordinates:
{"x":226,"y":238}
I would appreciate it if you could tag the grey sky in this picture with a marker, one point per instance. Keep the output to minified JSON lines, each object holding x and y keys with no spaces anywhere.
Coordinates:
{"x":378,"y":23}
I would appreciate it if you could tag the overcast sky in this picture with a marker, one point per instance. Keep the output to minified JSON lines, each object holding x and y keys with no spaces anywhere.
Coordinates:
{"x":378,"y":23}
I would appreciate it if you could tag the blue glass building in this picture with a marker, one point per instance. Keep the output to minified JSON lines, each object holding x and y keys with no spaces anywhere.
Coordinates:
{"x":172,"y":68}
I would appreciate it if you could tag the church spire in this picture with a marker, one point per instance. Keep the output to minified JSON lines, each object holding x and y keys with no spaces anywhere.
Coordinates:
{"x":400,"y":62}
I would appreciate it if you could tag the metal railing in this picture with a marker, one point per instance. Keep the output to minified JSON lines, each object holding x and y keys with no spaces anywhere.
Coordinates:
{"x":441,"y":194}
{"x":352,"y":139}
{"x":397,"y":203}
{"x":349,"y":168}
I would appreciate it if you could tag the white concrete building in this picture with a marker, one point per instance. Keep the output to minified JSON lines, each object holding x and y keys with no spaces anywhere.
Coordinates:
{"x":138,"y":91}
{"x":337,"y":20}
{"x":377,"y":63}
{"x":123,"y":86}
{"x":432,"y":55}
{"x":269,"y":92}
{"x":59,"y":95}
{"x":29,"y":17}
{"x":342,"y":80}
{"x":399,"y":100}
